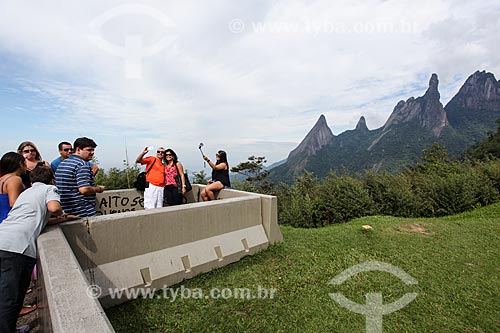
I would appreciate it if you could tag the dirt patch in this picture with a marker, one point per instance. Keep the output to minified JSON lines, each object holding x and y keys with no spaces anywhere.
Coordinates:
{"x":415,"y":228}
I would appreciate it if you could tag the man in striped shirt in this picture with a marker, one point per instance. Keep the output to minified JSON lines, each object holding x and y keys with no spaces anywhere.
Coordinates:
{"x":75,"y":180}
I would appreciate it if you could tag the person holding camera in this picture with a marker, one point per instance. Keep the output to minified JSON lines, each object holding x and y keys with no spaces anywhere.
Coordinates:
{"x":155,"y":177}
{"x":220,"y":176}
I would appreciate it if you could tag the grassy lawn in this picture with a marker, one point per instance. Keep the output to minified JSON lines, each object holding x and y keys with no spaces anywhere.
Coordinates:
{"x":456,"y":261}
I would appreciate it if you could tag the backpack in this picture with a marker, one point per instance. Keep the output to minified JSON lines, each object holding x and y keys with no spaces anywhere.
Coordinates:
{"x":140,"y":183}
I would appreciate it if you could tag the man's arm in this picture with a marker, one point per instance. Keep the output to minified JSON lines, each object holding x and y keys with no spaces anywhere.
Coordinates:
{"x":85,"y":181}
{"x":141,"y":156}
{"x":89,"y":190}
{"x":55,"y":208}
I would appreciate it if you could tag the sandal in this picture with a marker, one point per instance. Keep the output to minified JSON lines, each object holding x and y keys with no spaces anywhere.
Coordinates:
{"x":23,"y":329}
{"x":27,"y":309}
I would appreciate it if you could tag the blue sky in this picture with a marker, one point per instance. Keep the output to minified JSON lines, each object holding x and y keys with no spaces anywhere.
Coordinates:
{"x":249,"y":77}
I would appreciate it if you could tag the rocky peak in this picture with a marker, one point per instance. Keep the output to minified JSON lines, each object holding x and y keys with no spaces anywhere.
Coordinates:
{"x":427,"y":110}
{"x":480,"y":91}
{"x":361,"y":125}
{"x":432,"y":91}
{"x":318,"y":137}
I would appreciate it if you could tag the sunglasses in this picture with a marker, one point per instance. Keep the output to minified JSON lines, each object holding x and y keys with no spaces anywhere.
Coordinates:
{"x":168,"y":154}
{"x":160,"y":152}
{"x":29,"y":151}
{"x":67,"y":149}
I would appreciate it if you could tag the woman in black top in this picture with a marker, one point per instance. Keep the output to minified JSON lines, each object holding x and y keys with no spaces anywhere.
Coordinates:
{"x":220,"y":176}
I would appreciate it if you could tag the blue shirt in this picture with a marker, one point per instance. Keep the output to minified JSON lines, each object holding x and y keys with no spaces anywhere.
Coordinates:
{"x":4,"y":202}
{"x":4,"y":206}
{"x":55,"y":163}
{"x":72,"y":174}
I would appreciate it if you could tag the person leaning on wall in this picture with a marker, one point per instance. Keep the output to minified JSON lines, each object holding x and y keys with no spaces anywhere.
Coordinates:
{"x":220,"y":176}
{"x":18,"y":234}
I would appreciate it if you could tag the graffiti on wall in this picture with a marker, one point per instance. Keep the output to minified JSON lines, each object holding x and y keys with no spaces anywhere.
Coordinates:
{"x":118,"y":203}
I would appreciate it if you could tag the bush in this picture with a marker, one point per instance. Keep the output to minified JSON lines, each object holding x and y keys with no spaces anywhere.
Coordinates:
{"x":392,"y":195}
{"x":298,"y":205}
{"x":491,"y":169}
{"x":116,"y":179}
{"x":437,"y":186}
{"x":459,"y":187}
{"x":343,"y":198}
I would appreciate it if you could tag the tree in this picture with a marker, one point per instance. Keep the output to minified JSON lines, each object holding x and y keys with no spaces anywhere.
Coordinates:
{"x":255,"y":174}
{"x":488,"y":147}
{"x":200,"y":177}
{"x":434,"y":158}
{"x":116,"y":179}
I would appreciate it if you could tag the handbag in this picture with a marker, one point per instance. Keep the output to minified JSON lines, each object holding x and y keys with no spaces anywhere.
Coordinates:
{"x":140,"y":183}
{"x":179,"y":182}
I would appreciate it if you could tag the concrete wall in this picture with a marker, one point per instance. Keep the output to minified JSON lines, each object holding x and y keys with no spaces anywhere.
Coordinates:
{"x":64,"y":305}
{"x":146,"y":248}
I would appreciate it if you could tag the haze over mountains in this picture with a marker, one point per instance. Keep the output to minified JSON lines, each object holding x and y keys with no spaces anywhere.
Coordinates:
{"x":413,"y":125}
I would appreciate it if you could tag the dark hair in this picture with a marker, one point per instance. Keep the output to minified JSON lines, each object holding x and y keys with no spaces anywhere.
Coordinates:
{"x":84,"y":143}
{"x":223,"y":158}
{"x":24,"y":144}
{"x":63,"y":143}
{"x":174,"y":155}
{"x":42,"y":174}
{"x":10,"y":162}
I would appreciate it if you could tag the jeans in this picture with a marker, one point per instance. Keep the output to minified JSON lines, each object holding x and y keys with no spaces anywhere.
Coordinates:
{"x":15,"y":273}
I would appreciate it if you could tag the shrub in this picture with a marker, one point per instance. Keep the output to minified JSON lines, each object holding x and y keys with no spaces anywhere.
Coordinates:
{"x":491,"y":169}
{"x":343,"y":198}
{"x":435,"y":187}
{"x":463,"y":188}
{"x":392,"y":194}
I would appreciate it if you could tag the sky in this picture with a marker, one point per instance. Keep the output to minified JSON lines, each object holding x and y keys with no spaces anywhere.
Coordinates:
{"x":250,"y":77}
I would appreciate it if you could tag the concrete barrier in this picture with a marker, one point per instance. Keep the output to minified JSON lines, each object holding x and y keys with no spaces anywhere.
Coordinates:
{"x":127,"y":247}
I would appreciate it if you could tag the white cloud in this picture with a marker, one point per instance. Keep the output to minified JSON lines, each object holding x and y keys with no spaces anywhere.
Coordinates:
{"x":257,"y":92}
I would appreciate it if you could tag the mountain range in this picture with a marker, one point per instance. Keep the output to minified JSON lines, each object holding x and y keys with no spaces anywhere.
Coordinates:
{"x":413,"y":125}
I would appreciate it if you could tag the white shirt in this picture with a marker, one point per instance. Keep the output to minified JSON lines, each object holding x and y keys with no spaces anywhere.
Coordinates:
{"x":26,"y":220}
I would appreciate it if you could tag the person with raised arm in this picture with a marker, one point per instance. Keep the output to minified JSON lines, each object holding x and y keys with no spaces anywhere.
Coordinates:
{"x":220,"y":176}
{"x":155,"y":177}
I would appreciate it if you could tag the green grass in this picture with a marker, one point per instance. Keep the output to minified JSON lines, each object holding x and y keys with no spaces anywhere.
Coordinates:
{"x":457,"y":267}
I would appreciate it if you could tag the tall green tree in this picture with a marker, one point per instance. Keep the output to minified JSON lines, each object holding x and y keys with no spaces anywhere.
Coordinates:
{"x":255,"y":174}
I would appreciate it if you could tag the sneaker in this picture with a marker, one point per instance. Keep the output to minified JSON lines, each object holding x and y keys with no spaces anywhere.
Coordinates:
{"x":23,"y":329}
